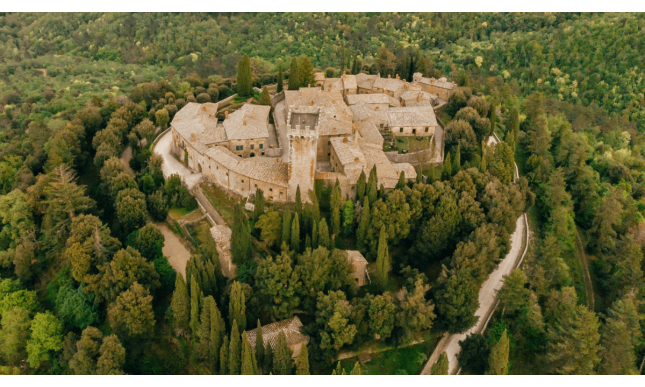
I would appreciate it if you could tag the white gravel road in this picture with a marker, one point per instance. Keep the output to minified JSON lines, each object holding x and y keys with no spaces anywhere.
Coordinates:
{"x":171,"y":165}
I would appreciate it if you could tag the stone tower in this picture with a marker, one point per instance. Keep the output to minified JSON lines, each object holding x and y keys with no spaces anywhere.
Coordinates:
{"x":303,"y":144}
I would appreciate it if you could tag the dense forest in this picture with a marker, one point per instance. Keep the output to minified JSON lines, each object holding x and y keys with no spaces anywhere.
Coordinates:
{"x":84,"y":285}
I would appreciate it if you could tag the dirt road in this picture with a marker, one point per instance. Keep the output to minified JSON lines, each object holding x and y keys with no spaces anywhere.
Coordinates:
{"x":584,"y":265}
{"x":177,"y":254}
{"x":171,"y":165}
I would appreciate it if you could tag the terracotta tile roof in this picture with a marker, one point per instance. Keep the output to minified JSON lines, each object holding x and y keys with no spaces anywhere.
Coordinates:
{"x":394,"y":102}
{"x":408,"y":170}
{"x":355,"y":256}
{"x":389,"y":84}
{"x":248,"y":122}
{"x":411,"y":116}
{"x":268,"y":170}
{"x":348,"y":151}
{"x":199,"y":120}
{"x":349,"y":82}
{"x":385,"y":172}
{"x":290,"y":327}
{"x":353,"y":99}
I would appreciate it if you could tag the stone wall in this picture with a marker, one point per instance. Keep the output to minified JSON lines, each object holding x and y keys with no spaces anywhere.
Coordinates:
{"x":277,"y":98}
{"x":415,"y":158}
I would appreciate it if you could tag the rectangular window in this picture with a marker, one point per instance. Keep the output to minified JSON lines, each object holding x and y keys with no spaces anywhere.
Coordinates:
{"x":270,"y":189}
{"x":239,"y":147}
{"x":328,"y":142}
{"x":426,"y":129}
{"x":252,"y":146}
{"x":242,"y":180}
{"x":400,"y":130}
{"x":261,"y":146}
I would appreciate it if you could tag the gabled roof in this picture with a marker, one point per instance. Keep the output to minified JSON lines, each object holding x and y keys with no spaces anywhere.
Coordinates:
{"x":290,"y":327}
{"x":408,"y":170}
{"x":370,"y":132}
{"x":335,"y":117}
{"x":349,"y":81}
{"x":417,"y":95}
{"x":348,"y":151}
{"x":389,"y":84}
{"x":319,"y":76}
{"x":411,"y":116}
{"x":248,"y":122}
{"x":268,"y":170}
{"x":365,"y":81}
{"x":353,"y":99}
{"x":199,"y":120}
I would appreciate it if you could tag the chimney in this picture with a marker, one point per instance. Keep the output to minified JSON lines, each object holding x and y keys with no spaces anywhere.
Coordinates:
{"x":344,"y":72}
{"x":356,"y":159}
{"x":192,"y":136}
{"x":311,"y":103}
{"x":419,"y":97}
{"x":397,"y":76}
{"x":308,"y":85}
{"x":389,"y":75}
{"x":329,"y":88}
{"x":226,"y":115}
{"x":378,"y":75}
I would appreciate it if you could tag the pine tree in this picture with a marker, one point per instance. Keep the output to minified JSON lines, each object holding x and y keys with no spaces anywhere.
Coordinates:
{"x":217,"y":332}
{"x":240,"y":237}
{"x":298,"y":203}
{"x":498,"y":360}
{"x":441,"y":367}
{"x":446,"y":174}
{"x":235,"y":351}
{"x":363,"y":226}
{"x":280,"y":77}
{"x":372,"y":188}
{"x":302,"y":361}
{"x":223,"y":357}
{"x":244,"y":77}
{"x":259,"y":345}
{"x":382,"y":260}
{"x":265,"y":98}
{"x":180,"y":306}
{"x":457,"y":163}
{"x":249,"y":363}
{"x":236,"y":306}
{"x":194,"y":306}
{"x":336,"y":204}
{"x":323,"y":234}
{"x":282,"y":357}
{"x":268,"y":358}
{"x":619,"y":337}
{"x":294,"y":75}
{"x":295,"y":234}
{"x":286,"y":227}
{"x":360,"y":186}
{"x":401,"y":183}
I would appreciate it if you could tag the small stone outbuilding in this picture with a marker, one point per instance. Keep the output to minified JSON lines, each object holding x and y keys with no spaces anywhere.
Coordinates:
{"x":290,"y":327}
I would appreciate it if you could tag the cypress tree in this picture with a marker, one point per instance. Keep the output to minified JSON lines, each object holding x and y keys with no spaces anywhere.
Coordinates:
{"x":258,"y":202}
{"x":419,"y":175}
{"x":498,"y":360}
{"x":342,"y":58}
{"x":295,"y":234}
{"x":381,"y":192}
{"x":336,"y":204}
{"x":249,"y":363}
{"x":513,"y":123}
{"x":180,"y":306}
{"x":286,"y":227}
{"x":259,"y":345}
{"x":282,"y":357}
{"x":482,"y":164}
{"x":268,"y":358}
{"x":323,"y":234}
{"x":307,"y":242}
{"x":441,"y":367}
{"x":457,"y":163}
{"x":240,"y":237}
{"x":363,"y":226}
{"x":360,"y":186}
{"x":294,"y":75}
{"x":447,"y":169}
{"x":280,"y":77}
{"x":356,"y":370}
{"x":339,"y":370}
{"x":204,"y":334}
{"x":265,"y":98}
{"x":302,"y":361}
{"x":298,"y":204}
{"x":244,"y":77}
{"x":432,"y":174}
{"x":314,"y":236}
{"x":382,"y":260}
{"x":306,"y":70}
{"x":236,"y":306}
{"x":401,"y":183}
{"x":194,"y":306}
{"x":217,"y":331}
{"x":235,"y":351}
{"x":372,"y":188}
{"x":223,"y":357}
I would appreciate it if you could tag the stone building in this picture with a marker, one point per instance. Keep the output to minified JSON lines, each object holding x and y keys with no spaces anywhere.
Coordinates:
{"x":291,"y":328}
{"x":320,"y":79}
{"x":417,"y":98}
{"x":359,"y":263}
{"x":390,"y":86}
{"x":416,"y":121}
{"x":374,"y":101}
{"x":439,"y":87}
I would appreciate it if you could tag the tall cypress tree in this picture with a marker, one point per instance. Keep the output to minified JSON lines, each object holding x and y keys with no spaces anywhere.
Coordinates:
{"x":194,"y":306}
{"x":180,"y":306}
{"x":432,"y":174}
{"x":457,"y":163}
{"x":323,"y":234}
{"x":240,"y":237}
{"x":446,"y":173}
{"x":382,"y":260}
{"x":223,"y":357}
{"x":236,"y":306}
{"x":482,"y":164}
{"x":259,"y":345}
{"x":363,"y":226}
{"x":249,"y":363}
{"x":244,"y":77}
{"x":306,"y":70}
{"x":441,"y":367}
{"x":298,"y":203}
{"x":302,"y":361}
{"x":401,"y":183}
{"x":268,"y":358}
{"x":295,"y":234}
{"x":265,"y":98}
{"x":282,"y":357}
{"x":498,"y":360}
{"x":202,"y":349}
{"x":360,"y":186}
{"x":336,"y":208}
{"x":294,"y":75}
{"x":314,"y":236}
{"x":280,"y":77}
{"x":286,"y":226}
{"x":372,"y":186}
{"x":357,"y":369}
{"x":235,"y":351}
{"x":217,"y":332}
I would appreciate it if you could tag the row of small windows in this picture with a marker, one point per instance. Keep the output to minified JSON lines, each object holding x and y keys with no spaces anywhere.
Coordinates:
{"x":241,"y":147}
{"x":413,"y":130}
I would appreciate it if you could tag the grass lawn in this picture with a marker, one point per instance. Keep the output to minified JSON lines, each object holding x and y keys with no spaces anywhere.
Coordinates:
{"x":178,"y":213}
{"x":397,"y":361}
{"x":221,"y":201}
{"x":413,"y":144}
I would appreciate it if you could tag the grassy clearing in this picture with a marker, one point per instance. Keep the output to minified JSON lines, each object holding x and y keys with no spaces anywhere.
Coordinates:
{"x":398,"y":361}
{"x":221,"y":201}
{"x":178,"y":213}
{"x":413,"y":144}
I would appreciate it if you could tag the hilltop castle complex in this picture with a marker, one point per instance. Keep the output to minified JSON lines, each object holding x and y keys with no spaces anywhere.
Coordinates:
{"x":330,"y":131}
